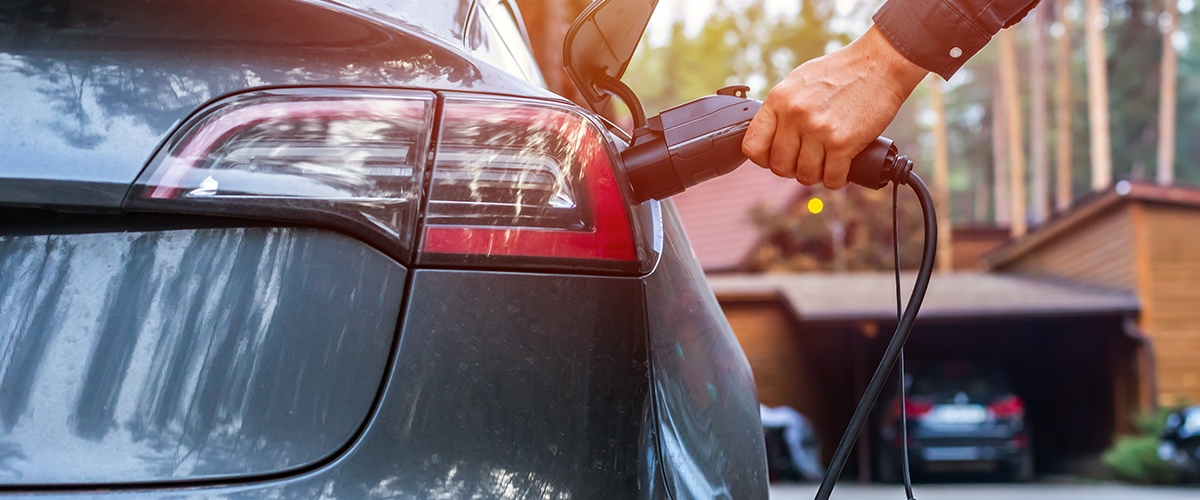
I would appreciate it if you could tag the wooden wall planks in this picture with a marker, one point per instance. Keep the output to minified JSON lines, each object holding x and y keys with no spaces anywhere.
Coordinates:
{"x":1099,"y":251}
{"x":1171,"y":297}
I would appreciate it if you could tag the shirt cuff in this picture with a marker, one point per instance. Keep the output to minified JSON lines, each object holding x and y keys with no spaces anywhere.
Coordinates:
{"x":930,"y":33}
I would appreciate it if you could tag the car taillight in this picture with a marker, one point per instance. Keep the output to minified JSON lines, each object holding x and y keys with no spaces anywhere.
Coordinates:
{"x":917,"y":409}
{"x":352,"y":159}
{"x":912,"y":409}
{"x":1009,"y":407}
{"x":529,"y":185}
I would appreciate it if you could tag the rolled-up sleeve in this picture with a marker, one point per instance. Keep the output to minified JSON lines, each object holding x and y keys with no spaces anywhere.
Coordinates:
{"x":941,"y":35}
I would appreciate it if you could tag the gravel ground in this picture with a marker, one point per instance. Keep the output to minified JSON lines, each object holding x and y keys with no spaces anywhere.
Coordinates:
{"x":990,"y":492}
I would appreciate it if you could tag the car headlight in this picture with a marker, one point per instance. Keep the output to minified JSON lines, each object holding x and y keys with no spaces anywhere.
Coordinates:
{"x":1191,"y":424}
{"x":1166,"y":451}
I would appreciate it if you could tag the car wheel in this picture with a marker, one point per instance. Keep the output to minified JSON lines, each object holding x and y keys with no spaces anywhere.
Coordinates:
{"x":1021,"y":469}
{"x":888,"y":466}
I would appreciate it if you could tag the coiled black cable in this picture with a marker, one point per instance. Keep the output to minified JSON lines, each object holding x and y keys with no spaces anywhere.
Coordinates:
{"x":902,"y":175}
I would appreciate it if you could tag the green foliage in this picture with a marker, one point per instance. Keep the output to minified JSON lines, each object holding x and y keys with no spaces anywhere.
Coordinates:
{"x":1187,"y":148}
{"x":1133,"y":101}
{"x":733,"y":47}
{"x":1135,"y":458}
{"x":852,"y":233}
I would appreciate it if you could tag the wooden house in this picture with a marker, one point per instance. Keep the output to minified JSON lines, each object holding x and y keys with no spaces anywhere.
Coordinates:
{"x":1139,"y":238}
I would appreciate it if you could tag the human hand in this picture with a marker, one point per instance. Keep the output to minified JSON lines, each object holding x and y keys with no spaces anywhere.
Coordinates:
{"x":830,"y":108}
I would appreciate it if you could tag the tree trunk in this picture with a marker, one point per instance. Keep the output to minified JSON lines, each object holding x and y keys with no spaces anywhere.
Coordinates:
{"x":1166,"y":103}
{"x":546,"y":23}
{"x":941,"y":176}
{"x":1062,"y":69}
{"x":982,"y":198}
{"x":1000,"y":160}
{"x":1016,"y":148}
{"x":1039,"y":162}
{"x":1101,"y":140}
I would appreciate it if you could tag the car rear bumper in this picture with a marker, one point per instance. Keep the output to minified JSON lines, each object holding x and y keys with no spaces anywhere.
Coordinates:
{"x":967,"y":452}
{"x":960,"y":454}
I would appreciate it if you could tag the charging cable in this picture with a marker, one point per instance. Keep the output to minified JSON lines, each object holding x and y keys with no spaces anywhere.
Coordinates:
{"x":908,"y":493}
{"x":875,"y":174}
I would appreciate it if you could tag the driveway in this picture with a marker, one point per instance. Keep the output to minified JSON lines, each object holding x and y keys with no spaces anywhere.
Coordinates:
{"x":990,"y":492}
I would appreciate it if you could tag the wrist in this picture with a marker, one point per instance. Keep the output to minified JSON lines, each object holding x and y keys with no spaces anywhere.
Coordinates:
{"x":903,"y":74}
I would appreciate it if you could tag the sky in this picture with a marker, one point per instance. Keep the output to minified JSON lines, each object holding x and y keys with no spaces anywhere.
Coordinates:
{"x":853,"y":15}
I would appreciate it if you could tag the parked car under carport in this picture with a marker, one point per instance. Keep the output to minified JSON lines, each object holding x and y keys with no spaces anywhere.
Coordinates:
{"x":1073,"y":353}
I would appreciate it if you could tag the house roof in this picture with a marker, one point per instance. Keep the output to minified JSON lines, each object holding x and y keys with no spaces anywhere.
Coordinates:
{"x":872,"y":295}
{"x":1091,"y":206}
{"x":717,"y":214}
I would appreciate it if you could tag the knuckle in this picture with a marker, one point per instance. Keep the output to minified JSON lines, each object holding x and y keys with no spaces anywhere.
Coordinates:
{"x":838,"y":138}
{"x":797,"y":108}
{"x":827,"y":128}
{"x":778,"y":94}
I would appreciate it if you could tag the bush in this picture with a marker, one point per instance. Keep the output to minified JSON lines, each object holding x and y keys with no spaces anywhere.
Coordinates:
{"x":1135,"y":458}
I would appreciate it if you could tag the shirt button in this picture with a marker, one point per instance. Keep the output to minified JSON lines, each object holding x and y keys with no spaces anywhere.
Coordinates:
{"x":955,"y":52}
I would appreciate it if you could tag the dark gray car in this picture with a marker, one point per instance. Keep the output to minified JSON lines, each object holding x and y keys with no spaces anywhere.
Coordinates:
{"x":297,"y":249}
{"x":962,"y":416}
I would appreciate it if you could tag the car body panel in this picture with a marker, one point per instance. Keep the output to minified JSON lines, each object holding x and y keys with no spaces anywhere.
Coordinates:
{"x":534,"y":383}
{"x":92,"y":88}
{"x":187,"y":354}
{"x":505,"y":385}
{"x":540,"y":384}
{"x":710,"y":426}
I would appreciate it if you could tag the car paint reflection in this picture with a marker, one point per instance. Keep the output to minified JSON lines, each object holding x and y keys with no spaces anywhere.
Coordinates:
{"x":186,"y":354}
{"x":442,"y":430}
{"x":709,"y":425}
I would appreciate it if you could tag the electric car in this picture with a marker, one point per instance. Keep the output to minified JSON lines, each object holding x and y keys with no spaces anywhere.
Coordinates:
{"x":298,"y":249}
{"x":961,"y":417}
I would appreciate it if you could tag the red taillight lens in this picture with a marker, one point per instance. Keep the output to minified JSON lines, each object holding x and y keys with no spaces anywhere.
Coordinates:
{"x":345,"y":158}
{"x":515,"y":183}
{"x":1009,"y":407}
{"x":913,"y":409}
{"x":525,"y":184}
{"x":916,"y":409}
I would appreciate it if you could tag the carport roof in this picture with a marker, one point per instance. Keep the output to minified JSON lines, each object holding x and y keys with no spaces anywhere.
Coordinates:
{"x":872,"y":296}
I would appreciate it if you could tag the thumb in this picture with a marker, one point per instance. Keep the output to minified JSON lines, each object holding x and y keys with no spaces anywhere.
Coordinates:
{"x":757,"y":143}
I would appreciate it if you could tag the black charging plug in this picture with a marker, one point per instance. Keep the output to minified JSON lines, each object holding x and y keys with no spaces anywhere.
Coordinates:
{"x":702,"y":139}
{"x":879,"y":164}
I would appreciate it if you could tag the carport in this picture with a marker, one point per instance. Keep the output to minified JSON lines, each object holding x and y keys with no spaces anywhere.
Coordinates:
{"x":1074,"y":353}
